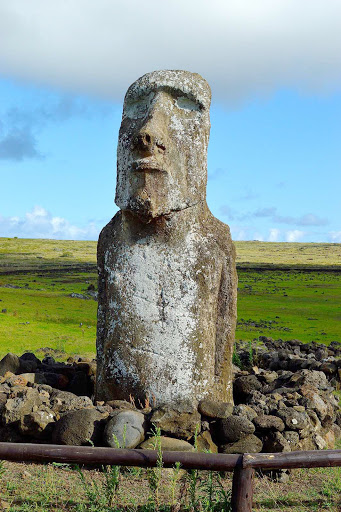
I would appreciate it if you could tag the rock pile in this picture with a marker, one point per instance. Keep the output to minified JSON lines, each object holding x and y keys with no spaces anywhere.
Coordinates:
{"x":278,"y":406}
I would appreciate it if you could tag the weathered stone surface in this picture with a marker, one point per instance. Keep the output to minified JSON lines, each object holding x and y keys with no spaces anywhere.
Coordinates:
{"x":215,"y":409}
{"x":36,"y":423}
{"x":167,"y":279}
{"x":180,"y":419}
{"x":292,"y":437}
{"x":125,"y":429}
{"x":275,"y":442}
{"x":9,"y":363}
{"x":63,"y":402}
{"x":120,"y":404}
{"x":244,"y":410}
{"x":205,"y":443}
{"x":243,"y":387}
{"x":78,"y":428}
{"x":294,"y":420}
{"x":234,"y":428}
{"x":21,"y":404}
{"x":268,"y":422}
{"x":248,"y":444}
{"x":168,"y":444}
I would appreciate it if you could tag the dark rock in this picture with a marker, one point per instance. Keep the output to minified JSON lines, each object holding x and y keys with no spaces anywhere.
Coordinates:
{"x":180,"y":420}
{"x":248,"y":444}
{"x":120,"y":404}
{"x":243,"y":386}
{"x":275,"y":442}
{"x":268,"y":422}
{"x":215,"y":409}
{"x":80,"y":385}
{"x":9,"y":363}
{"x":77,"y":428}
{"x":244,"y":410}
{"x":292,"y":437}
{"x":294,"y":420}
{"x":63,"y":402}
{"x":233,"y":428}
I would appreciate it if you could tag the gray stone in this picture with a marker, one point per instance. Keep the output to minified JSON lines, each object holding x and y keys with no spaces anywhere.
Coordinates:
{"x":168,"y":444}
{"x":125,"y":429}
{"x":248,"y":444}
{"x":21,"y":404}
{"x":244,"y":410}
{"x":77,"y":428}
{"x":167,"y":278}
{"x":37,"y":423}
{"x":234,"y":428}
{"x":63,"y":402}
{"x":9,"y":363}
{"x":215,"y":409}
{"x":180,"y":419}
{"x":294,"y":420}
{"x":268,"y":422}
{"x":292,"y":437}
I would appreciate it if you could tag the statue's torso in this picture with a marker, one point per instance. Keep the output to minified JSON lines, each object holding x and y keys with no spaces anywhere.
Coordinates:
{"x":160,"y":310}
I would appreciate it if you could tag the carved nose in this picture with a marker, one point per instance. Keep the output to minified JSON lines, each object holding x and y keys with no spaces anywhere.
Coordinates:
{"x":144,"y":142}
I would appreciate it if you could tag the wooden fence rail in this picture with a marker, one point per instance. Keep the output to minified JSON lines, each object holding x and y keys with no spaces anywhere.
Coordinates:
{"x":242,"y":466}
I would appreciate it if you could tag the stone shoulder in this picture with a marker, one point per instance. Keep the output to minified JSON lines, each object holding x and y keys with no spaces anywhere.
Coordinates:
{"x":221,"y":232}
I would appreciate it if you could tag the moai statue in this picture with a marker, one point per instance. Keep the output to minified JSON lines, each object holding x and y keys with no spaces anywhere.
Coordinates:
{"x":167,"y":276}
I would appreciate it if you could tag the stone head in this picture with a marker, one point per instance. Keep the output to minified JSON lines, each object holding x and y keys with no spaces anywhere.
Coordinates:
{"x":162,"y":146}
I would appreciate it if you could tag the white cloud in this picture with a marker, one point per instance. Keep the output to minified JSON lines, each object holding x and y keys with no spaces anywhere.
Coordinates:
{"x":335,"y":237}
{"x":39,"y":223}
{"x":241,"y":47}
{"x":294,"y":235}
{"x":273,"y":235}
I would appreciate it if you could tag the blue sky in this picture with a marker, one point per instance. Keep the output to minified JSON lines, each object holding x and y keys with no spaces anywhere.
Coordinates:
{"x":275,"y":73}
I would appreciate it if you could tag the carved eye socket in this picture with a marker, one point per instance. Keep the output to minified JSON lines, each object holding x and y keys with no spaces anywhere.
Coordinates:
{"x":138,"y":108}
{"x":187,"y":104}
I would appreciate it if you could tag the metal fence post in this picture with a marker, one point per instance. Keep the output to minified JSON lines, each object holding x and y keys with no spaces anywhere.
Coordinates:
{"x":242,"y":488}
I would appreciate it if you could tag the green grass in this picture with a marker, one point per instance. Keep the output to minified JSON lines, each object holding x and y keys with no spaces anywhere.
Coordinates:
{"x":281,"y":304}
{"x":289,"y":305}
{"x":42,"y":314}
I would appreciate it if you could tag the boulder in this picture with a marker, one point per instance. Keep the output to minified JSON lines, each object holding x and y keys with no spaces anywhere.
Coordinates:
{"x":248,"y":444}
{"x":233,"y":428}
{"x":275,"y":442}
{"x":77,"y":428}
{"x":214,"y":408}
{"x":21,"y":404}
{"x":205,"y":443}
{"x":293,"y":419}
{"x":9,"y":363}
{"x":29,"y":362}
{"x":63,"y":402}
{"x":243,"y":386}
{"x":38,"y":423}
{"x":168,"y":444}
{"x":180,"y":420}
{"x":126,"y":429}
{"x":244,"y":410}
{"x":268,"y":422}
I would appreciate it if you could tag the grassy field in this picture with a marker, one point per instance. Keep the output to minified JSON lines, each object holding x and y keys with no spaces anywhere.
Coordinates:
{"x":46,"y":488}
{"x":37,"y":278}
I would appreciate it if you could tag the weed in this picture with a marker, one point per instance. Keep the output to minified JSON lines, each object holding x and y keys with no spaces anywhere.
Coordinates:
{"x":154,"y":475}
{"x":236,"y":359}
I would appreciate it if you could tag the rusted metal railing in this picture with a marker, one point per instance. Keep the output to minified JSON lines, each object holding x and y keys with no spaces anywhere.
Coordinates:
{"x":242,"y":466}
